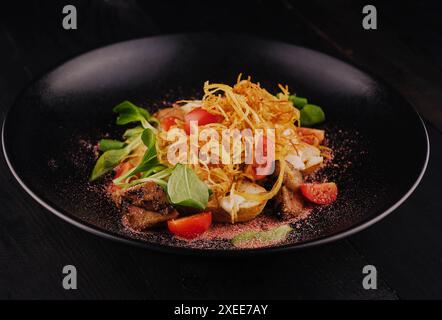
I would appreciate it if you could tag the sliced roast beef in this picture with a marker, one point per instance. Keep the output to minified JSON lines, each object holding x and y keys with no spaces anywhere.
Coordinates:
{"x":292,"y":177}
{"x":148,"y":196}
{"x":144,"y":206}
{"x":289,"y":203}
{"x":139,"y":219}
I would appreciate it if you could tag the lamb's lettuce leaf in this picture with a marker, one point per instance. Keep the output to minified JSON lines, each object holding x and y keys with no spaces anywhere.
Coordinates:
{"x":129,"y":113}
{"x":110,"y":144}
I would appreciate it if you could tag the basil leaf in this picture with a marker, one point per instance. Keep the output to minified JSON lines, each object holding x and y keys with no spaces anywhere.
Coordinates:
{"x":128,"y":112}
{"x":186,"y":189}
{"x":109,"y":144}
{"x":273,"y":235}
{"x":298,"y":102}
{"x":311,"y":114}
{"x":107,"y":161}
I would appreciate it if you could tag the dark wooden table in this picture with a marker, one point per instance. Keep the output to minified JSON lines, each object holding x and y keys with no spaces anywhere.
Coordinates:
{"x":406,"y":247}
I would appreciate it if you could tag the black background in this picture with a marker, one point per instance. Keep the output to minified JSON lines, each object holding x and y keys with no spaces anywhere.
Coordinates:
{"x":406,"y":247}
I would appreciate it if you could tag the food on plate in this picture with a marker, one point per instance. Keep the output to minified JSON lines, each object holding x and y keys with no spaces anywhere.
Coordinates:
{"x":221,"y":159}
{"x":238,"y":208}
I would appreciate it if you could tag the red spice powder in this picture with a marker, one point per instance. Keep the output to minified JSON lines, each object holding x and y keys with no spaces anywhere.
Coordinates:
{"x":225,"y":231}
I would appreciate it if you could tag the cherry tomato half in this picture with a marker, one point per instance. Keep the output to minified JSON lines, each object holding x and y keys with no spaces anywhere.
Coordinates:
{"x":201,"y":116}
{"x":121,"y":169}
{"x":191,"y":226}
{"x":311,"y":136}
{"x":255,"y":165}
{"x":167,"y":122}
{"x":320,"y":193}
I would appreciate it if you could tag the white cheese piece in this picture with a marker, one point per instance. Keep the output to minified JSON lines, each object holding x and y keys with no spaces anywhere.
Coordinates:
{"x":191,"y":105}
{"x":295,"y":161}
{"x":228,"y":202}
{"x":232,"y":201}
{"x":307,"y":151}
{"x":313,"y":161}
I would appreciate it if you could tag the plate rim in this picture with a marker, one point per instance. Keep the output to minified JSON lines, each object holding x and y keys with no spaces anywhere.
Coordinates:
{"x":66,"y":216}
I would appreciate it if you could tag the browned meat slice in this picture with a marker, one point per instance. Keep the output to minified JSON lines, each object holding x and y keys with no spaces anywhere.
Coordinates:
{"x":176,"y":112}
{"x":148,"y":196}
{"x":292,"y":177}
{"x":139,"y":219}
{"x":290,"y":203}
{"x":145,"y":205}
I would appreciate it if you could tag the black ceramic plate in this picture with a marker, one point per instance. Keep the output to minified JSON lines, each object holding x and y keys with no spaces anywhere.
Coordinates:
{"x":380,"y":142}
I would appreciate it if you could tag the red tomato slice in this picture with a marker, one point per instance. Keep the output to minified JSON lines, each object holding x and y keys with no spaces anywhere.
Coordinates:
{"x":264,"y":165}
{"x":191,"y":226}
{"x":121,"y":169}
{"x":312,"y":140}
{"x":264,"y":146}
{"x":320,"y":193}
{"x":311,"y":136}
{"x":256,"y":176}
{"x":167,"y":122}
{"x":201,"y":116}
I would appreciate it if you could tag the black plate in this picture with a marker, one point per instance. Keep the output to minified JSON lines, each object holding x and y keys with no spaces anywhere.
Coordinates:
{"x":380,"y":141}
